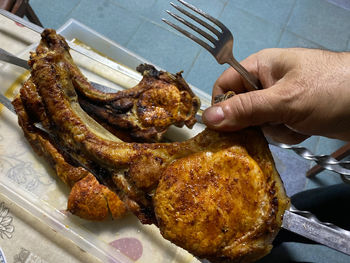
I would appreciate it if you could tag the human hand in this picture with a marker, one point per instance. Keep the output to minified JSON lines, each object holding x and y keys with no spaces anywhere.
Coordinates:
{"x":306,"y":92}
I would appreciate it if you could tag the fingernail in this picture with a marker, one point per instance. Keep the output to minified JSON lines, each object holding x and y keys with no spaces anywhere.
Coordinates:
{"x":214,"y":115}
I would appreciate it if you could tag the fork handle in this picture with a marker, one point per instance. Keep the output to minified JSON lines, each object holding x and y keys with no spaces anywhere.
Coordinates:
{"x":253,"y":81}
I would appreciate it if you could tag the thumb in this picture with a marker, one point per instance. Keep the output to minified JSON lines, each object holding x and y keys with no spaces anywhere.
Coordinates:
{"x":246,"y":109}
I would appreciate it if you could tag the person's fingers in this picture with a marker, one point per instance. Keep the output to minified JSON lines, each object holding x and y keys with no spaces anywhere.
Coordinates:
{"x":246,"y":109}
{"x":281,"y":133}
{"x":252,"y":109}
{"x":231,"y":80}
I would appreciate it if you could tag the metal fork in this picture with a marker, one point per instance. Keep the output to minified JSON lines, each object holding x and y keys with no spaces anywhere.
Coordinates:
{"x":220,"y":46}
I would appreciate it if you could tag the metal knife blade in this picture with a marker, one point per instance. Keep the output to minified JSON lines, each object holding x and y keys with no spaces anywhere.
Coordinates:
{"x":307,"y":225}
{"x":9,"y":58}
{"x":7,"y":103}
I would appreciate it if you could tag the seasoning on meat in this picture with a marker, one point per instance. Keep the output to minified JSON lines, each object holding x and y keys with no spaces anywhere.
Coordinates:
{"x":217,"y":195}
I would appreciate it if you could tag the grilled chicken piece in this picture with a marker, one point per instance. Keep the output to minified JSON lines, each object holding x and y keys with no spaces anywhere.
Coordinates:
{"x":147,"y":110}
{"x":88,"y":198}
{"x":223,"y":204}
{"x":218,"y":195}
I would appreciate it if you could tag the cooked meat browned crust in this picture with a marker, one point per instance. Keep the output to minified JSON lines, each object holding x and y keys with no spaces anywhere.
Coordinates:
{"x":94,"y":201}
{"x":218,"y":195}
{"x":224,"y":203}
{"x":147,"y":110}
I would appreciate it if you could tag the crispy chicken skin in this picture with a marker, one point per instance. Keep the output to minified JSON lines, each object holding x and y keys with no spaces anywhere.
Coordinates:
{"x":88,"y":199}
{"x":144,"y":112}
{"x":147,"y":110}
{"x":217,"y":195}
{"x":223,"y":204}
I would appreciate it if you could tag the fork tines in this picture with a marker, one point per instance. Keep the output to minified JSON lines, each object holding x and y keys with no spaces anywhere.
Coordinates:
{"x":209,"y":37}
